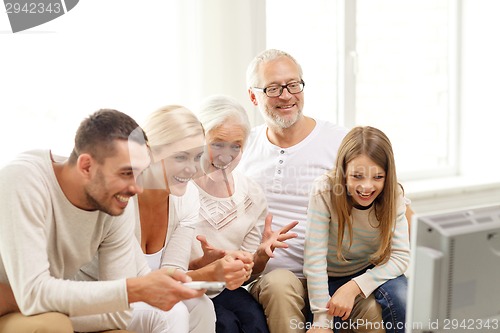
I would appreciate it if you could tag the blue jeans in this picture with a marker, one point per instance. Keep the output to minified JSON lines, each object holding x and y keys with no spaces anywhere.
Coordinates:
{"x":392,"y":299}
{"x":238,"y":312}
{"x":391,"y":296}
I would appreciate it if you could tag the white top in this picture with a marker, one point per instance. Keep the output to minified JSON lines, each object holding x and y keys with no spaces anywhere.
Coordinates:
{"x":286,"y":176}
{"x":154,"y":259}
{"x":321,"y":249}
{"x":44,"y":240}
{"x":182,"y":219}
{"x":234,"y":223}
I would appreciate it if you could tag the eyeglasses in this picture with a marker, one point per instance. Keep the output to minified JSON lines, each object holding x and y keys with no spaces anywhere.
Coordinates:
{"x":277,"y":90}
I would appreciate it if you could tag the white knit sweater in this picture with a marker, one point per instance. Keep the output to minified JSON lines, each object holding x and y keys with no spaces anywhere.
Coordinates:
{"x":320,"y":251}
{"x":44,"y":240}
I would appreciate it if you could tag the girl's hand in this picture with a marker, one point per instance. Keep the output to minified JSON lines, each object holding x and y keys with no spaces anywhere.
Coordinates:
{"x":342,"y":301}
{"x":319,"y":330}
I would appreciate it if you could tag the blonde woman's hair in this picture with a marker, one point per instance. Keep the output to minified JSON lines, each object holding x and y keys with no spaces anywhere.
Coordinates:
{"x":170,"y":124}
{"x":375,"y":144}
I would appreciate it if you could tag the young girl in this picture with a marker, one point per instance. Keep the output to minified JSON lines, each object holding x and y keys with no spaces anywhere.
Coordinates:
{"x":357,"y":237}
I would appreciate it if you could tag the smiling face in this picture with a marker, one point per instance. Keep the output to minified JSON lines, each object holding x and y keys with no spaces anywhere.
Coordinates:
{"x":175,"y":165}
{"x":113,"y":182}
{"x":364,"y":180}
{"x":224,"y":149}
{"x":285,"y":110}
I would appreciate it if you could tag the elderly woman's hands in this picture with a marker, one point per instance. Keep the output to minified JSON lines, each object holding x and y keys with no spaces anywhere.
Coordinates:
{"x":270,"y":241}
{"x":235,"y":268}
{"x":210,"y":254}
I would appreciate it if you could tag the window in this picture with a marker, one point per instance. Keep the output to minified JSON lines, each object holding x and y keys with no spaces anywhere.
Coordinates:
{"x":312,"y":43}
{"x":385,"y":63}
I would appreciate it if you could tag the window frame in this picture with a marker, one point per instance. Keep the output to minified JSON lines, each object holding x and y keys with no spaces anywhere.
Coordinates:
{"x":346,"y":91}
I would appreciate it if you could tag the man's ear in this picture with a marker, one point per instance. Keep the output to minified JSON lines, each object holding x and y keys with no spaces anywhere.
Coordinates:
{"x":84,"y":164}
{"x":252,"y":96}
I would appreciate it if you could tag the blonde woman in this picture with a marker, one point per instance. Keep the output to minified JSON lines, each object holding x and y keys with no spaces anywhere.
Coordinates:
{"x":168,"y":212}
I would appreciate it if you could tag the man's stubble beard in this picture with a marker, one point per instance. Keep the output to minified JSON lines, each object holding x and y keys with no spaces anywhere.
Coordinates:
{"x":275,"y":121}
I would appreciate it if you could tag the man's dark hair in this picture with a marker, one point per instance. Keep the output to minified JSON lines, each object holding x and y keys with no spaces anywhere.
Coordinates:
{"x":96,"y":134}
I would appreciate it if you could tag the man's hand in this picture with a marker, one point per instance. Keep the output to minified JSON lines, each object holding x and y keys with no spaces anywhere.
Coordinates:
{"x":161,"y":288}
{"x":7,"y":301}
{"x":210,"y":254}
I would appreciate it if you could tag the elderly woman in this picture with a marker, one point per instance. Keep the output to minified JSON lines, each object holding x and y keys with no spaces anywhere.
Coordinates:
{"x":233,"y":214}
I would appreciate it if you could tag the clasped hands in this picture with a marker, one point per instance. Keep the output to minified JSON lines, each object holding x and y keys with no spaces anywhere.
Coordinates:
{"x":236,"y":267}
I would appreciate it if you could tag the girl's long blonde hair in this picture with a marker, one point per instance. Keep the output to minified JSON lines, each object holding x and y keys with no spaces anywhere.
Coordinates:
{"x":375,"y":144}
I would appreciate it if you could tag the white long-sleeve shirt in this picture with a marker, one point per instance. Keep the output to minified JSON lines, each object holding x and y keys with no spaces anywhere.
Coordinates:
{"x":286,"y":175}
{"x":44,"y":240}
{"x":183,"y":216}
{"x":320,"y":251}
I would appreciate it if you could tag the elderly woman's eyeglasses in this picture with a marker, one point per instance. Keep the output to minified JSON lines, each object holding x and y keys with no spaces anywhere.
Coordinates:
{"x":277,"y":90}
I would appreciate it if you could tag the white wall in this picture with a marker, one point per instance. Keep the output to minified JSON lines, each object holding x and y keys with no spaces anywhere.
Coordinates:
{"x":118,"y":54}
{"x":111,"y":54}
{"x":230,"y":34}
{"x":481,"y":88}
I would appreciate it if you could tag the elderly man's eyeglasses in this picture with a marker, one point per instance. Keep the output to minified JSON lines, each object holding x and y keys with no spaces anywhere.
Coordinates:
{"x":277,"y":90}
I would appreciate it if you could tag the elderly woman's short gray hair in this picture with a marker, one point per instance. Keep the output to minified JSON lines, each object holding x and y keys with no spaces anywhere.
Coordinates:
{"x":218,"y":109}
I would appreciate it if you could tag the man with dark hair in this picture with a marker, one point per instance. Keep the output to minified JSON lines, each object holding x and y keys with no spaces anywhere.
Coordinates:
{"x":57,"y":214}
{"x":97,"y":134}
